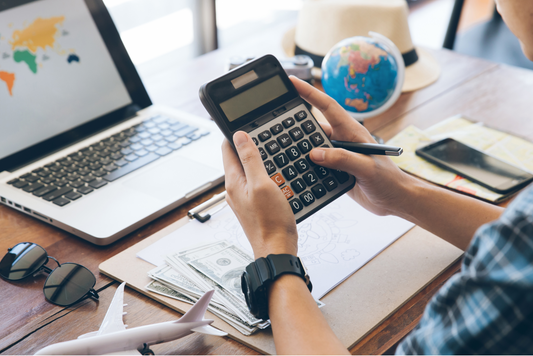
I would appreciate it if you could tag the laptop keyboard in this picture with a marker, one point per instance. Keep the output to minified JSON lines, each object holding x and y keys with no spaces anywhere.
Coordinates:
{"x":80,"y":173}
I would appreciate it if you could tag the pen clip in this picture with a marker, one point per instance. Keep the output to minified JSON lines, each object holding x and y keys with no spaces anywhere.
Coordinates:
{"x":204,"y":207}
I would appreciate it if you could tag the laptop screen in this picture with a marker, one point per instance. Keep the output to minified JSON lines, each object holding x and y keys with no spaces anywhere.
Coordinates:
{"x":56,"y":72}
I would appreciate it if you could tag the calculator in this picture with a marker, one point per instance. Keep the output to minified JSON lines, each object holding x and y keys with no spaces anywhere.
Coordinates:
{"x":259,"y":98}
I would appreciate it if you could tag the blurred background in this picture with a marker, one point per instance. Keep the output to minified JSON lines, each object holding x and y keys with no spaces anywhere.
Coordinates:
{"x":158,"y":32}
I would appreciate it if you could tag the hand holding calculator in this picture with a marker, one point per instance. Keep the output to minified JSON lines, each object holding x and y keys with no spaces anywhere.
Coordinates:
{"x":260,"y":99}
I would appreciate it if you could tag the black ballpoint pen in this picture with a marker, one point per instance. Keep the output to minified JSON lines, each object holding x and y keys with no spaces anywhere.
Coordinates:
{"x":368,"y":148}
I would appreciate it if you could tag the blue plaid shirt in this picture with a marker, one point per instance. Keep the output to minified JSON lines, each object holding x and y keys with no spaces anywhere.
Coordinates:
{"x":487,"y":308}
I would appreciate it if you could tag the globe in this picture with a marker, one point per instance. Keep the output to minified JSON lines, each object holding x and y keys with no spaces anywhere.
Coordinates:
{"x":364,"y":74}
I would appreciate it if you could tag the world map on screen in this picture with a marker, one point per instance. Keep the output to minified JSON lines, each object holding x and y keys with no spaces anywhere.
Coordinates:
{"x":30,"y":46}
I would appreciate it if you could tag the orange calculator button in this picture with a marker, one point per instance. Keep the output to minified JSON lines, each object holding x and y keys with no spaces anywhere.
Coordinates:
{"x":288,"y":192}
{"x":278,"y":179}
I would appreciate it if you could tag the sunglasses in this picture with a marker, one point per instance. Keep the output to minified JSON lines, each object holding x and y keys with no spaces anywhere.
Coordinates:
{"x":67,"y":284}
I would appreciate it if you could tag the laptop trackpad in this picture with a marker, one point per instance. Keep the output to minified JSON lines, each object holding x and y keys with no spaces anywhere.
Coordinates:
{"x":173,"y":179}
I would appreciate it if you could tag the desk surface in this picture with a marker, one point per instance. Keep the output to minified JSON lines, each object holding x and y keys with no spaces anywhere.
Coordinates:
{"x":495,"y":94}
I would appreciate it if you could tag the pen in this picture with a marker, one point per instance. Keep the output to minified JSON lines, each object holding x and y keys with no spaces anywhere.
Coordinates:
{"x":368,"y":148}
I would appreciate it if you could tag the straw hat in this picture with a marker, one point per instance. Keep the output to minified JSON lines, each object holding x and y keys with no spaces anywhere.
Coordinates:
{"x":323,"y":23}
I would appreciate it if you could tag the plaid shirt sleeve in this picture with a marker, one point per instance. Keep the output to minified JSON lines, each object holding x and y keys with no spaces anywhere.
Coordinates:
{"x":487,"y":308}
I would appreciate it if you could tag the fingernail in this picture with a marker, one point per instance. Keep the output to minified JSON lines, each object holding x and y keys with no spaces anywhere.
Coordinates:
{"x":318,"y":155}
{"x":239,"y":138}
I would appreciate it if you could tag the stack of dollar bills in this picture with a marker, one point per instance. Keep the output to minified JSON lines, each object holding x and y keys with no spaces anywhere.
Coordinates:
{"x":190,"y":273}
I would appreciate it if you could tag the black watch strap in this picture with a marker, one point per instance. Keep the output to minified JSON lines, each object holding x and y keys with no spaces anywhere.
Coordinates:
{"x":284,"y":263}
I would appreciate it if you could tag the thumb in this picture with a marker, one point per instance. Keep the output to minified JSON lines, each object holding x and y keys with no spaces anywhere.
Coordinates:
{"x":249,"y":156}
{"x":338,"y":158}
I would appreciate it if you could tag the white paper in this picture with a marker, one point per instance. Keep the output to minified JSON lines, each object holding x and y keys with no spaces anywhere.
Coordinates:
{"x":333,"y":243}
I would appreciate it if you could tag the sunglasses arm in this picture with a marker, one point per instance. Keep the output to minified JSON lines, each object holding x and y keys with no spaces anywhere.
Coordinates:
{"x":93,"y":294}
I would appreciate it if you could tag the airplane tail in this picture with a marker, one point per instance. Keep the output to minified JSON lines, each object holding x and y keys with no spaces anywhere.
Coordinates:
{"x":196,"y":313}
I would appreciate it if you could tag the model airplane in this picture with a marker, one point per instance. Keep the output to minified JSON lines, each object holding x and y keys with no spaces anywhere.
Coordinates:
{"x":113,"y":337}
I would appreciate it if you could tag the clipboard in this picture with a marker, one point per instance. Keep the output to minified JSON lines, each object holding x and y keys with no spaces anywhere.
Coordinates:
{"x":353,"y":309}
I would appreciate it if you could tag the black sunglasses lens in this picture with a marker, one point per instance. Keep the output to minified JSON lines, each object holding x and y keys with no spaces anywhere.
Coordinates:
{"x":23,"y":260}
{"x":68,"y":284}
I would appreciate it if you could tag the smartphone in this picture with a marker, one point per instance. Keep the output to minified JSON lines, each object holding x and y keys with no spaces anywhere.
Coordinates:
{"x":259,"y":98}
{"x":487,"y":171}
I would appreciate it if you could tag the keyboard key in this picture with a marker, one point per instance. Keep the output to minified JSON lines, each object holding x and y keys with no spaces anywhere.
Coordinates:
{"x":289,"y":173}
{"x":308,"y":127}
{"x":141,"y":162}
{"x":171,"y":138}
{"x":156,"y":138}
{"x":100,"y":173}
{"x":319,"y":191}
{"x":33,"y":187}
{"x":270,"y":168}
{"x":272,"y":147}
{"x":255,"y":141}
{"x":116,"y":156}
{"x":330,"y":183}
{"x":304,"y":146}
{"x":73,"y":195}
{"x":88,"y":178}
{"x":154,"y":130}
{"x":47,"y":180}
{"x":185,"y":131}
{"x":293,"y":153}
{"x":26,"y":175}
{"x":316,"y":139}
{"x":301,"y":165}
{"x":310,"y":161}
{"x":278,"y":179}
{"x":92,"y":167}
{"x":61,"y":201}
{"x":307,"y":198}
{"x":341,"y":176}
{"x":163,"y":151}
{"x":263,"y":136}
{"x":284,"y":140}
{"x":276,"y":129}
{"x":161,"y":143}
{"x":85,"y":190}
{"x":97,"y":183}
{"x":175,"y":145}
{"x":321,"y":171}
{"x":44,"y":191}
{"x":263,"y":153}
{"x":77,"y":184}
{"x":194,"y":136}
{"x":132,"y":157}
{"x":136,"y":146}
{"x":281,"y":160}
{"x":166,"y":132}
{"x":125,"y":152}
{"x":177,"y":127}
{"x":20,"y":184}
{"x":144,"y":136}
{"x":135,"y":139}
{"x":298,"y":185}
{"x":57,"y":193}
{"x":300,"y":115}
{"x":310,"y":178}
{"x":16,"y":180}
{"x":60,"y":174}
{"x":31,"y":178}
{"x":296,"y":205}
{"x":287,"y":192}
{"x":44,"y":173}
{"x":111,"y":167}
{"x":296,"y":133}
{"x":151,"y":148}
{"x":55,"y":168}
{"x":288,"y":122}
{"x":61,"y":183}
{"x":73,"y":177}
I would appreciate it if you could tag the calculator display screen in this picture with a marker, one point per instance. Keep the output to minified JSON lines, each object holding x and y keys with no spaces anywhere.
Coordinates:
{"x":253,"y":98}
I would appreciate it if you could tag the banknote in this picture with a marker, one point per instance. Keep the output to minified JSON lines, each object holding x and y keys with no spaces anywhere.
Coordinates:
{"x":159,"y":288}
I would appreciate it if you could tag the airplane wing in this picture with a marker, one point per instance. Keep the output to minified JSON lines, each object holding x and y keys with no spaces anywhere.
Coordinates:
{"x":113,"y":318}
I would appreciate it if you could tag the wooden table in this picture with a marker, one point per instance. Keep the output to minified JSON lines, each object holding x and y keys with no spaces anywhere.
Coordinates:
{"x":495,"y":94}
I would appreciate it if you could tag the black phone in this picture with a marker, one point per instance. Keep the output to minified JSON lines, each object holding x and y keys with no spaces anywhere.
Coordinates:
{"x":487,"y":171}
{"x":259,"y":98}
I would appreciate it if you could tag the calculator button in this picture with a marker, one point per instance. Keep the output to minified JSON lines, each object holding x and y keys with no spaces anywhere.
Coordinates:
{"x":293,"y":153}
{"x":308,"y":127}
{"x":284,"y":140}
{"x":300,"y":115}
{"x":281,"y":160}
{"x":311,"y":163}
{"x":341,"y":176}
{"x":310,"y":178}
{"x":287,"y":192}
{"x":319,"y":191}
{"x":272,"y":147}
{"x":296,"y":205}
{"x":330,"y":183}
{"x":307,"y":198}
{"x":270,"y":167}
{"x":301,"y":165}
{"x":289,"y":173}
{"x":321,"y":171}
{"x":276,"y":129}
{"x":288,"y":122}
{"x":298,"y":185}
{"x":255,"y":141}
{"x":263,"y":153}
{"x":316,"y":139}
{"x":296,"y":133}
{"x":278,"y":179}
{"x":265,"y":135}
{"x":304,"y":146}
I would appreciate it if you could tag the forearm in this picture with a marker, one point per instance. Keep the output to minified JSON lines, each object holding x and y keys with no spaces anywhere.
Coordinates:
{"x":297,"y":324}
{"x":453,"y":217}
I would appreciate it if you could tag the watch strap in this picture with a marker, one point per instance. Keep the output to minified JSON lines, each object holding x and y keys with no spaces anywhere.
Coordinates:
{"x":285,"y":263}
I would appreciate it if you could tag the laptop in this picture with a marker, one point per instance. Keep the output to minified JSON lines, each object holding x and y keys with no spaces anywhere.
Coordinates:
{"x":81,"y":145}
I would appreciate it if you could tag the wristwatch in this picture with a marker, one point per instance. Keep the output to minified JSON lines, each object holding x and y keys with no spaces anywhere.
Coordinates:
{"x":259,"y":274}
